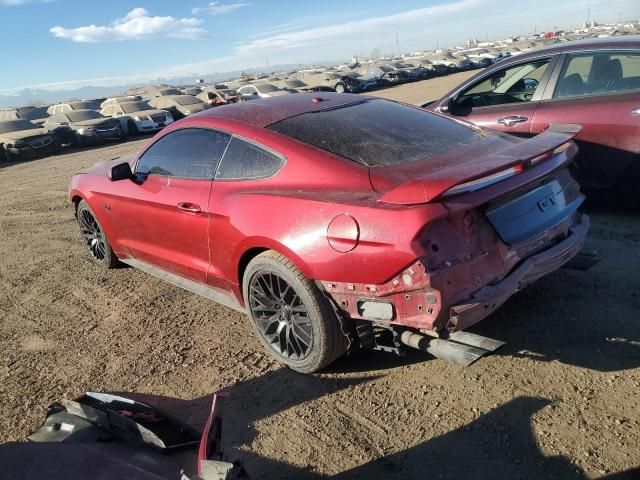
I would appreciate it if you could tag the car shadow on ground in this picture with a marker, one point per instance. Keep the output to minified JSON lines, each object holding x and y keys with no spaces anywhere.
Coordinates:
{"x":496,"y":445}
{"x":499,"y":444}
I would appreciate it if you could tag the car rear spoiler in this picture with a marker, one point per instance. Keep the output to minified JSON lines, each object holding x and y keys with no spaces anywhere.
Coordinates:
{"x":485,"y":171}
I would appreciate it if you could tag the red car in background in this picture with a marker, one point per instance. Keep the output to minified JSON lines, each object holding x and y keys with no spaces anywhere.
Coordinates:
{"x":337,"y":219}
{"x":594,"y":83}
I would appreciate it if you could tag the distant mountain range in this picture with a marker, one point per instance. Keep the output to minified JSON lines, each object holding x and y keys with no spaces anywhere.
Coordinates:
{"x":40,"y":97}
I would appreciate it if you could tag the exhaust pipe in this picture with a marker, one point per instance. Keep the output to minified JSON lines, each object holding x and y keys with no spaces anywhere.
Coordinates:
{"x":463,"y":354}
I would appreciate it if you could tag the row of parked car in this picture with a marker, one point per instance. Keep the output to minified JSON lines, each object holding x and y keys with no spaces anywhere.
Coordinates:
{"x":354,"y":78}
{"x":31,"y":132}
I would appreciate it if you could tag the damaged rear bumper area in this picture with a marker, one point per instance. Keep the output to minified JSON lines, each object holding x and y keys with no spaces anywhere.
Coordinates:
{"x":490,"y":297}
{"x":474,"y":260}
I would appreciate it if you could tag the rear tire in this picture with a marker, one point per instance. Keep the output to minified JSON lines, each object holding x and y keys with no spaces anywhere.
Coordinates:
{"x":292,"y":318}
{"x":94,"y":237}
{"x":132,"y":129}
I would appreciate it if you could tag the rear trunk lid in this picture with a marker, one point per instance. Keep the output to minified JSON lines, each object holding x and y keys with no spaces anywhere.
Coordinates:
{"x":523,"y":187}
{"x":468,"y":168}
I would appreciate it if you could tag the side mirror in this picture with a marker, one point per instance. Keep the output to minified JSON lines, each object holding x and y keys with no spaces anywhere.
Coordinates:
{"x":122,"y":171}
{"x":449,"y":105}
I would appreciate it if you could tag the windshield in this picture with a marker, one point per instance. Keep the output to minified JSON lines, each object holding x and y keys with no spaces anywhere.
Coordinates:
{"x":295,"y":84}
{"x":267,"y":88}
{"x":82,"y":115}
{"x":16,"y":126}
{"x":228,"y":92}
{"x":378,"y":132}
{"x":135,"y":107}
{"x":84,"y":105}
{"x":187,"y":100}
{"x":33,"y":113}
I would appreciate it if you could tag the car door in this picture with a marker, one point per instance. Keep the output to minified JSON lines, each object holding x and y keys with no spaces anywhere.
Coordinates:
{"x":505,"y":99}
{"x":600,"y":91}
{"x":163,"y":218}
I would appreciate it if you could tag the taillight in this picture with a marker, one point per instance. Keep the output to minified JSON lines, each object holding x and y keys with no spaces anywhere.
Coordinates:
{"x":483,"y":182}
{"x":547,"y":155}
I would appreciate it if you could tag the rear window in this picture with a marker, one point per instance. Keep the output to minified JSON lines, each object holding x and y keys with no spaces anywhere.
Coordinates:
{"x":378,"y":132}
{"x":131,"y":107}
{"x":187,"y":100}
{"x":267,"y":88}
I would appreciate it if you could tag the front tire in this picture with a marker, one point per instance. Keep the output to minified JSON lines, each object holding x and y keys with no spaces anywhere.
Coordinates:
{"x":290,"y":315}
{"x":340,"y":88}
{"x":94,"y":237}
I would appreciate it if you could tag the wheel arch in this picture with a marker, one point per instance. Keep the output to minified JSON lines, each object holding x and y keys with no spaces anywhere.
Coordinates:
{"x":76,"y":198}
{"x":250,"y":251}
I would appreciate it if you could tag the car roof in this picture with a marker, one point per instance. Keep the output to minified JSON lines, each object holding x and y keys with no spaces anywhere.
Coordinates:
{"x":265,"y":111}
{"x":623,"y":41}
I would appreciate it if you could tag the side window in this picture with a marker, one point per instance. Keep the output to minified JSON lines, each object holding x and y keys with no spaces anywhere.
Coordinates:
{"x":599,"y":73}
{"x":515,"y":84}
{"x":107,"y":111}
{"x":186,"y":153}
{"x":244,"y":160}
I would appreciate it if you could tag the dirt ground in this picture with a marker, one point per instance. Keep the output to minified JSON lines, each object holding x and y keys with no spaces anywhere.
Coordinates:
{"x":560,"y":400}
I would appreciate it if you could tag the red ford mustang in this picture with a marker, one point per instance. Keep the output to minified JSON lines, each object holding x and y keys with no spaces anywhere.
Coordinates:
{"x":338,"y":220}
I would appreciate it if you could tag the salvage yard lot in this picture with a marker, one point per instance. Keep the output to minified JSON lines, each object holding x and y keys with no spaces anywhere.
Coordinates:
{"x":560,"y":400}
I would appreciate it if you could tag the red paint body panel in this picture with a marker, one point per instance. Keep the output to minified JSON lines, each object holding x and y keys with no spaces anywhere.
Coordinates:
{"x":610,"y":138}
{"x":331,"y":217}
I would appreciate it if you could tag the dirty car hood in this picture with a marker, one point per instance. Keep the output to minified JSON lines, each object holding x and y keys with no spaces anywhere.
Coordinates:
{"x":24,"y":134}
{"x":97,"y":122}
{"x":145,"y":113}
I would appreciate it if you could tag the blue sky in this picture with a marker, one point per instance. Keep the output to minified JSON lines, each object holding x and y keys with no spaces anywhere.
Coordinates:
{"x":59,"y":44}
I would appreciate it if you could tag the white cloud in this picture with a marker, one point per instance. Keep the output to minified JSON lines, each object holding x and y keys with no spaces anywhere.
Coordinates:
{"x":136,"y":25}
{"x":312,"y":36}
{"x":217,"y":8}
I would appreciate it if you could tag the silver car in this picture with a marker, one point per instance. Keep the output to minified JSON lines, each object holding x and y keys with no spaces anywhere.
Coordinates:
{"x":138,"y":117}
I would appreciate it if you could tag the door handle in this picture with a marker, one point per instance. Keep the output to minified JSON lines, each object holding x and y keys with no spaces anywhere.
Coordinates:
{"x":635,"y":111}
{"x":511,"y":121}
{"x":189,"y":207}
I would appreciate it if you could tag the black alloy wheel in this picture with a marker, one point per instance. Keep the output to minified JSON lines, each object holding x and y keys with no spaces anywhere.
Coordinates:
{"x":280,"y":315}
{"x":93,"y":237}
